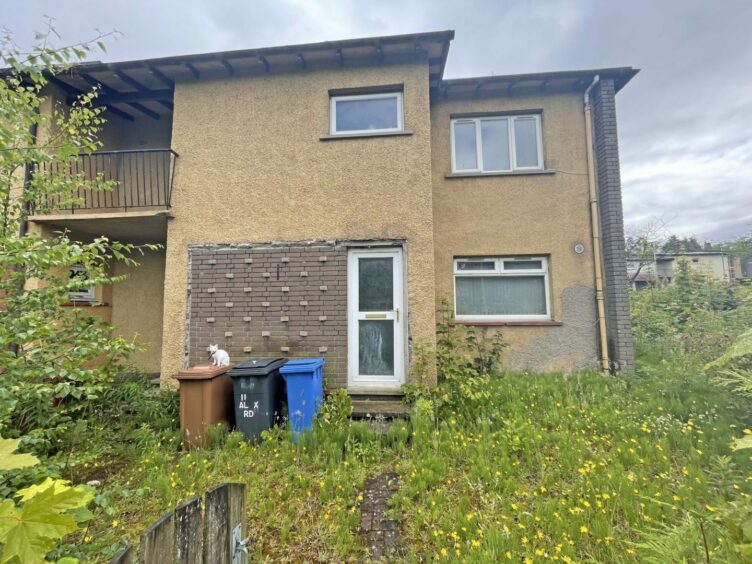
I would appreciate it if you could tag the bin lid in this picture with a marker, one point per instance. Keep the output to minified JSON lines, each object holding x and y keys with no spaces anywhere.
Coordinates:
{"x":256,"y":367}
{"x":202,"y":372}
{"x":302,"y":364}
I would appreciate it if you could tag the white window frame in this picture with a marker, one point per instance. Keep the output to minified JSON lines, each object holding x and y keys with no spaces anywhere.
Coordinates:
{"x":512,"y":146}
{"x":333,"y":112}
{"x":500,"y":271}
{"x":88,"y":295}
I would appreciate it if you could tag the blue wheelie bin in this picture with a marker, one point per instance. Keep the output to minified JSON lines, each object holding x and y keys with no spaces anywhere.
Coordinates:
{"x":305,"y":391}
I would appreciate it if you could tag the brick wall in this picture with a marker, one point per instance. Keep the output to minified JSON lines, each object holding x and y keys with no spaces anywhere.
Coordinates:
{"x":618,"y":320}
{"x":270,"y":300}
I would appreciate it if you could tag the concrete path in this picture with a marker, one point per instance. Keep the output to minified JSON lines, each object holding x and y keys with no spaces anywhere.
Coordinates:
{"x":379,"y":533}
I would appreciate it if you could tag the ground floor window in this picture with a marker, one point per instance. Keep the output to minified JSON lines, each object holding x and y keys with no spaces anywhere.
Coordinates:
{"x":78,"y":272}
{"x":501,"y":289}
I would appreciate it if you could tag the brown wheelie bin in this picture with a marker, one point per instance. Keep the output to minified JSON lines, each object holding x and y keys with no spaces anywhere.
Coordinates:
{"x":205,"y":399}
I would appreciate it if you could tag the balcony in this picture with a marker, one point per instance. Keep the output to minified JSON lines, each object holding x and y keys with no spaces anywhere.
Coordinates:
{"x":142,"y":180}
{"x":135,"y":209}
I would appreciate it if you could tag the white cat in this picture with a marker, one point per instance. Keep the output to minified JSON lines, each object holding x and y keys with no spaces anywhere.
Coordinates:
{"x":218,"y":356}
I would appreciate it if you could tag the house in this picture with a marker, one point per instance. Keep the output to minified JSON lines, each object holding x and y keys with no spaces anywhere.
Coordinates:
{"x":716,"y":264}
{"x":322,"y":199}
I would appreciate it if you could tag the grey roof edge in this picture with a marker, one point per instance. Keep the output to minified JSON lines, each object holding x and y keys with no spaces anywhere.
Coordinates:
{"x":690,"y":254}
{"x":438,"y":36}
{"x":621,"y":75}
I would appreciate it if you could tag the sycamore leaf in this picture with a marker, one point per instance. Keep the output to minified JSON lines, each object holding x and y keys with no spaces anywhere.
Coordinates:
{"x":744,"y":442}
{"x":57,"y":495}
{"x":10,"y":461}
{"x":741,"y":347}
{"x":35,"y":535}
{"x":28,"y":533}
{"x":9,"y":516}
{"x":747,"y":530}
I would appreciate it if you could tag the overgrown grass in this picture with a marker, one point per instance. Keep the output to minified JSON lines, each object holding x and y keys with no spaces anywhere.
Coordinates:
{"x":511,"y":467}
{"x":580,"y":468}
{"x":574,"y":469}
{"x":302,"y":499}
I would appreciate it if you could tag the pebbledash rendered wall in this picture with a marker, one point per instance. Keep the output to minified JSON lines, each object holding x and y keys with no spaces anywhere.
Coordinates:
{"x":525,"y":214}
{"x":270,"y":300}
{"x":254,"y":169}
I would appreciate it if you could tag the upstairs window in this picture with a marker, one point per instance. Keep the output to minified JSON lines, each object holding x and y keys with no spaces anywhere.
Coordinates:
{"x":497,"y":144}
{"x":366,"y":113}
{"x":501,"y":289}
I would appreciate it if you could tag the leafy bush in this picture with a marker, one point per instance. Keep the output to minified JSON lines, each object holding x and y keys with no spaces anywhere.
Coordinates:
{"x":465,"y":358}
{"x":46,"y":512}
{"x":335,"y":411}
{"x":695,"y":315}
{"x":733,"y":369}
{"x":54,"y":360}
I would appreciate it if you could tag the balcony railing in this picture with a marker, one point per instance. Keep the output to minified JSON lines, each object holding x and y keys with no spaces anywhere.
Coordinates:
{"x":141,"y":179}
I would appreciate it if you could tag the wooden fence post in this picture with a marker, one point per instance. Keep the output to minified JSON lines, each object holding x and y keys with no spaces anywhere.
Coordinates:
{"x":188,"y":538}
{"x":216,"y":530}
{"x":158,"y":542}
{"x":224,"y":510}
{"x":236,"y":513}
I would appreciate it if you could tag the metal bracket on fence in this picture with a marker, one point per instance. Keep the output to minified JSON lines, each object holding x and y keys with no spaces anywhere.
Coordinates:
{"x":239,"y":545}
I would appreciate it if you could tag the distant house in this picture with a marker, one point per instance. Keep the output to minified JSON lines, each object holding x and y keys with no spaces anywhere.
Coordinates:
{"x":328,"y":196}
{"x":717,"y":264}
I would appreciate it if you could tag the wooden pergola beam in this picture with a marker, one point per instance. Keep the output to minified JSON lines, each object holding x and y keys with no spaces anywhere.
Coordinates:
{"x":74,"y":93}
{"x":163,"y":78}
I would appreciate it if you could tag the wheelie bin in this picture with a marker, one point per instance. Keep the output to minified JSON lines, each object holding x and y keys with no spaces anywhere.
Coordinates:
{"x":256,"y":392}
{"x":305,"y":391}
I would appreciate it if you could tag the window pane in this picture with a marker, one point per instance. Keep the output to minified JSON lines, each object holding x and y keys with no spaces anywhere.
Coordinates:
{"x":464,"y":146}
{"x":526,"y":141}
{"x":362,"y":115}
{"x":495,"y":143}
{"x":501,"y":295}
{"x":376,"y":347}
{"x":522,"y":265}
{"x":375,"y":284}
{"x":476,"y":265}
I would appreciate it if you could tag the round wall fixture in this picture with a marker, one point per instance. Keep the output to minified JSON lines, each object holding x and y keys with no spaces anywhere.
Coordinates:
{"x":579,"y":248}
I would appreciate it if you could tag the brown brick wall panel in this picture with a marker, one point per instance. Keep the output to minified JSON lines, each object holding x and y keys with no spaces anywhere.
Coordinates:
{"x":209,"y":266}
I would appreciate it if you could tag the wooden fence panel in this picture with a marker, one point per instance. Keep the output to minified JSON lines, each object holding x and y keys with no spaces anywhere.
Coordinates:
{"x":125,"y":556}
{"x":216,"y":525}
{"x":158,"y":542}
{"x":190,"y":536}
{"x":188,"y":529}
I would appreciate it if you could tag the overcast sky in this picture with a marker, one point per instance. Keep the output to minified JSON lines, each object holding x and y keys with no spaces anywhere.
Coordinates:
{"x":685,"y":122}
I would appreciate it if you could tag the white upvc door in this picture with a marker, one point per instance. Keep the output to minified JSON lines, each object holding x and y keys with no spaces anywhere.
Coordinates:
{"x":376,"y":318}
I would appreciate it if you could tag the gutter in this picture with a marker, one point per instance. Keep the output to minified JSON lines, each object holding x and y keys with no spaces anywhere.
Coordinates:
{"x":596,"y":229}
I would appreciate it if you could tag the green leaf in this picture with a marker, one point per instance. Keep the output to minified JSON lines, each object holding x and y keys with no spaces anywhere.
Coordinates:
{"x":741,"y":347}
{"x":9,"y":514}
{"x":35,"y":535}
{"x":745,"y":550}
{"x":30,"y":532}
{"x":744,"y":442}
{"x":10,"y":461}
{"x":747,"y":530}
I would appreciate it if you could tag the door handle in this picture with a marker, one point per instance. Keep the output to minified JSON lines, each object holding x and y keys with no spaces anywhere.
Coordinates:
{"x":396,"y":314}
